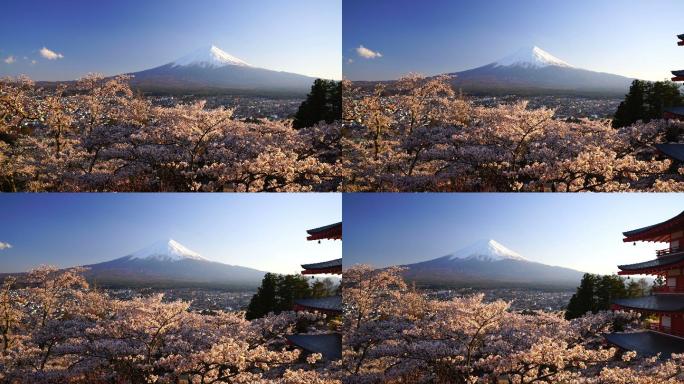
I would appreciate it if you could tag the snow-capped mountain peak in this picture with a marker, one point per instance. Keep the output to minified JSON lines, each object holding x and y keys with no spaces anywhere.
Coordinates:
{"x":486,"y":250}
{"x":531,"y":57}
{"x":168,"y":250}
{"x":209,"y":57}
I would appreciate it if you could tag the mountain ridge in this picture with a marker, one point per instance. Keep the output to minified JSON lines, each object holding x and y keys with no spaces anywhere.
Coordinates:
{"x":499,"y":267}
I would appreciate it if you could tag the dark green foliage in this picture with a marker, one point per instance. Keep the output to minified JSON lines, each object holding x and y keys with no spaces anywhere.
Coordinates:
{"x":596,"y":293}
{"x":277,"y":293}
{"x":323,"y":103}
{"x":646,"y":101}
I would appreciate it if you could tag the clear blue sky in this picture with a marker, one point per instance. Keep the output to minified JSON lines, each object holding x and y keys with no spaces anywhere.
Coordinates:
{"x":263,"y":231}
{"x":580,"y":231}
{"x":112,"y":37}
{"x":635,"y":38}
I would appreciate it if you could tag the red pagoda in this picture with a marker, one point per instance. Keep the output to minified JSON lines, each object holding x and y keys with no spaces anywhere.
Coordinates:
{"x":328,"y":344}
{"x":676,"y":113}
{"x":666,"y":303}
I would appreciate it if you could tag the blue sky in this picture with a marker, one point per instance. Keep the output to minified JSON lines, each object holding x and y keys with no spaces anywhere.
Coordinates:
{"x":580,"y":231}
{"x":112,"y":37}
{"x":635,"y":38}
{"x":263,"y":231}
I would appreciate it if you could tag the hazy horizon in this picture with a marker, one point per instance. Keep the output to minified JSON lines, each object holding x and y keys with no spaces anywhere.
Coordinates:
{"x":581,"y":232}
{"x":249,"y":230}
{"x":383,"y":40}
{"x":68,"y":40}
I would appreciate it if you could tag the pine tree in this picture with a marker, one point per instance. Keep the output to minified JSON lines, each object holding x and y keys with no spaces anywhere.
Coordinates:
{"x":647,"y":101}
{"x":596,"y":293}
{"x":323,"y":103}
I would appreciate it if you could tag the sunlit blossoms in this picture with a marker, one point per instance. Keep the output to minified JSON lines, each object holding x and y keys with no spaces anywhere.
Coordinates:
{"x":55,"y":328}
{"x":419,"y":135}
{"x":393,"y":334}
{"x":99,"y":136}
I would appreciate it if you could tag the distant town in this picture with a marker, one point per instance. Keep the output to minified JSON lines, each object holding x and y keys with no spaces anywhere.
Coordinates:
{"x":244,"y":107}
{"x":521,"y":299}
{"x":202,"y":300}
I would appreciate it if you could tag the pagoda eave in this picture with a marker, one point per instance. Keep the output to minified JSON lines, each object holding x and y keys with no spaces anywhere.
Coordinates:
{"x":329,"y":345}
{"x":658,"y":232}
{"x":332,"y":270}
{"x":647,"y":343}
{"x":331,"y":305}
{"x":678,"y":78}
{"x":327,"y":232}
{"x":332,"y":312}
{"x":645,"y":310}
{"x":657,"y":304}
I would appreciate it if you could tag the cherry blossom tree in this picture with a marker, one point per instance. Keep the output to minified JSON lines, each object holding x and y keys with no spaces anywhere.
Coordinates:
{"x":394,"y":334}
{"x":97,"y":135}
{"x":419,"y":136}
{"x":55,"y":328}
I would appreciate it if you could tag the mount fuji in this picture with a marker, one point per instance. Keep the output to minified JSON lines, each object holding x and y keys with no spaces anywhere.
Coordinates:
{"x":487,"y":263}
{"x":211,"y":70}
{"x":531,"y":70}
{"x":169,"y":263}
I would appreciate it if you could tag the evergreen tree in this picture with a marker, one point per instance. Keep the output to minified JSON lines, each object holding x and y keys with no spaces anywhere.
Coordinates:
{"x":596,"y":293}
{"x":277,"y":293}
{"x":647,"y":101}
{"x":264,"y":300}
{"x":323,"y":288}
{"x":583,"y":300}
{"x":323,"y":103}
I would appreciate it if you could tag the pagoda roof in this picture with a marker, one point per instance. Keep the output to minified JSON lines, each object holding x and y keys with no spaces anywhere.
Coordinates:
{"x":681,"y":37}
{"x":652,"y":265}
{"x":647,"y":343}
{"x":324,"y":304}
{"x":330,"y":232}
{"x":331,"y":266}
{"x":329,"y":345}
{"x":675,"y":151}
{"x":657,"y":232}
{"x":678,"y":73}
{"x":654,"y":303}
{"x":674,"y":111}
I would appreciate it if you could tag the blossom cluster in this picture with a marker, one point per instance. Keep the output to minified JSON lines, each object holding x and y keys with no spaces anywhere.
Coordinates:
{"x":98,"y":135}
{"x":54,"y":328}
{"x":395,"y":334}
{"x":418,"y":135}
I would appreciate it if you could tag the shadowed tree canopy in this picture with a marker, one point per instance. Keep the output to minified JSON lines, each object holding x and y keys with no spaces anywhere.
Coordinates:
{"x":277,"y":293}
{"x":646,"y":101}
{"x":596,"y":292}
{"x":323,"y":103}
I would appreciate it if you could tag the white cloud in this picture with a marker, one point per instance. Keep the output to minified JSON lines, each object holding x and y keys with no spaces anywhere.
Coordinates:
{"x":350,"y":60}
{"x":5,"y":245}
{"x":33,"y":62}
{"x":50,"y":55}
{"x":10,"y":60}
{"x":367,"y":53}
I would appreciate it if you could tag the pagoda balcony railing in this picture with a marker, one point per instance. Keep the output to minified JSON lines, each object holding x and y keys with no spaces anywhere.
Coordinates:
{"x":667,"y":251}
{"x":668,"y":330}
{"x":666,"y":289}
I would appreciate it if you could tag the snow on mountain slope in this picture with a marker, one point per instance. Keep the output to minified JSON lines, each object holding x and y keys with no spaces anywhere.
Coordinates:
{"x":209,"y":57}
{"x":486,"y":250}
{"x":169,"y":250}
{"x":531,"y":57}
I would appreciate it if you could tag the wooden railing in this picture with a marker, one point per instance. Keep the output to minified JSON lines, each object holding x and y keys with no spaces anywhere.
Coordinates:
{"x":666,"y":289}
{"x":668,"y":330}
{"x":667,"y":251}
